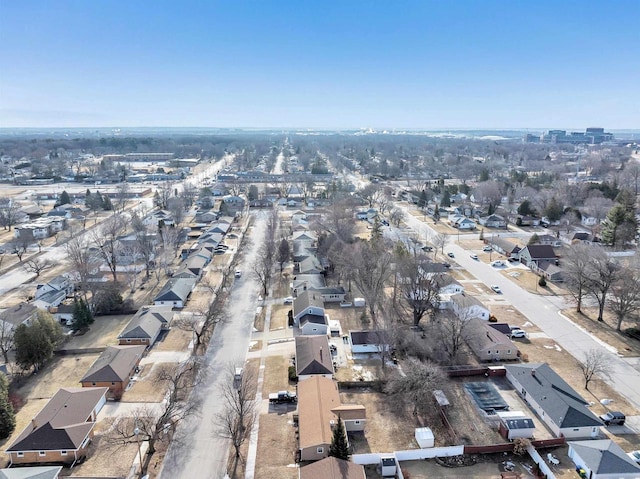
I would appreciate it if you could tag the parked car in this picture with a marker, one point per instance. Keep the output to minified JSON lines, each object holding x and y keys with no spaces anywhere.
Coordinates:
{"x":288,"y":300}
{"x":446,"y":265}
{"x":487,"y":248}
{"x":427,"y":249}
{"x":474,"y":256}
{"x":496,"y":289}
{"x":635,"y":456}
{"x":613,"y":418}
{"x":238,"y":273}
{"x":283,"y":397}
{"x":451,"y":255}
{"x":498,"y":264}
{"x":518,"y":333}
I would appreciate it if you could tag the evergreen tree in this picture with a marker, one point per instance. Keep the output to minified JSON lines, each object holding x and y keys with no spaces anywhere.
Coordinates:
{"x":36,"y":342}
{"x":7,"y":414}
{"x":619,"y":227}
{"x":376,"y":230}
{"x":525,"y":209}
{"x":484,"y":175}
{"x":339,"y":446}
{"x":82,"y":316}
{"x":553,"y":211}
{"x":64,"y":199}
{"x":436,"y":213}
{"x":106,"y":203}
{"x":157,"y":200}
{"x":422,"y":201}
{"x":88,"y":198}
{"x":445,"y":202}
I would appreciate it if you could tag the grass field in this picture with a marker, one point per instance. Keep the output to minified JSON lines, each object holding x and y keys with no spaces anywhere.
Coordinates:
{"x":103,"y":332}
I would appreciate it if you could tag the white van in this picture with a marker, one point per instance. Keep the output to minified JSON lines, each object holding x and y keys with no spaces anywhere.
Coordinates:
{"x":238,"y":273}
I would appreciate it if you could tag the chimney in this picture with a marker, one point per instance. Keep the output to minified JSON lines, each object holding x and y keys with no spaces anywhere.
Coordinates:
{"x":533,"y":372}
{"x":34,"y":424}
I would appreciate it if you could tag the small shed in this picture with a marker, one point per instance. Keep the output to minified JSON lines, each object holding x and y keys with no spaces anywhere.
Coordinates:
{"x":388,"y":466}
{"x":514,"y":424}
{"x":359,"y":302}
{"x":424,"y":437}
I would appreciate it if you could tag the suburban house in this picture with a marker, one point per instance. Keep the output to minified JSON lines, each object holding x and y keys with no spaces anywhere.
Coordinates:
{"x":313,"y":357}
{"x":493,"y":221}
{"x":550,"y":240}
{"x":318,"y":410}
{"x":309,"y":265}
{"x":549,"y":270}
{"x":59,"y":283}
{"x":463,"y":223}
{"x":556,"y":403}
{"x":447,"y":284}
{"x":536,"y":253}
{"x":467,"y":307}
{"x":304,"y":282}
{"x":602,"y":459}
{"x":175,"y":292}
{"x":62,"y":430}
{"x":146,"y":325}
{"x":37,"y":472}
{"x":113,"y":369}
{"x":307,"y":302}
{"x":19,"y":314}
{"x":505,"y":247}
{"x":331,"y":468}
{"x":514,"y":424}
{"x":313,"y":324}
{"x":489,"y":344}
{"x":368,"y":342}
{"x":196,"y":264}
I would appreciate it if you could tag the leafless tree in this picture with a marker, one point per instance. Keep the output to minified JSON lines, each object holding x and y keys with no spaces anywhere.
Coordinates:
{"x":576,"y":271}
{"x":439,"y":241}
{"x":105,"y":238}
{"x":179,"y":380}
{"x":370,"y":268}
{"x":122,"y":195}
{"x":598,"y":206}
{"x":6,"y":339}
{"x":452,"y":332}
{"x":418,"y":285}
{"x":189,"y":193}
{"x":370,"y":193}
{"x":19,"y":246}
{"x":239,"y":412}
{"x":339,"y":220}
{"x":146,"y":243}
{"x":595,"y":362}
{"x":488,"y":192}
{"x":176,"y":207}
{"x":396,"y":216}
{"x":602,"y":272}
{"x":38,"y":265}
{"x":165,"y":192}
{"x":625,"y":295}
{"x":201,"y":321}
{"x":417,"y":383}
{"x":9,"y":213}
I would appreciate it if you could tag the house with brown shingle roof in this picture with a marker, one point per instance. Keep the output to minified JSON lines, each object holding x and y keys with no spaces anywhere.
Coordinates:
{"x":113,"y":369}
{"x":489,"y":344}
{"x":62,"y":430}
{"x":332,"y":468}
{"x":318,"y":410}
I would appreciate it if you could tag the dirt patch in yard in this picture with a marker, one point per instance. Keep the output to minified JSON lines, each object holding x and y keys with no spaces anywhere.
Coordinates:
{"x":279,"y":316}
{"x":605,"y":330}
{"x":276,"y":376}
{"x":61,"y":371}
{"x":175,"y":340}
{"x":103,"y":332}
{"x":350,"y":318}
{"x":100,"y":461}
{"x":276,"y":448}
{"x":385,"y":430}
{"x":147,"y":388}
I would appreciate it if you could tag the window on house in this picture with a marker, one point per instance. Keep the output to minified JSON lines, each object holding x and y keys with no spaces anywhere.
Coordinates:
{"x":93,"y":384}
{"x":113,"y":384}
{"x":128,"y":340}
{"x":42,"y":453}
{"x":320,"y":450}
{"x":63,"y":453}
{"x":508,"y":351}
{"x":577,"y":429}
{"x":20,"y":454}
{"x":356,"y":422}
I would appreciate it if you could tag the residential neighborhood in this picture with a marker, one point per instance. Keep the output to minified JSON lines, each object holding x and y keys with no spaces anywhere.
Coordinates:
{"x":334,"y":324}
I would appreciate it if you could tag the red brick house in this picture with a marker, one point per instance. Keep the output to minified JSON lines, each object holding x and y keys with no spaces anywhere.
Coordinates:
{"x":114,"y":369}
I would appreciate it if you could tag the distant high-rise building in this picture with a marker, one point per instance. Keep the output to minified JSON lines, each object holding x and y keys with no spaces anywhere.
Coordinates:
{"x":592,"y":136}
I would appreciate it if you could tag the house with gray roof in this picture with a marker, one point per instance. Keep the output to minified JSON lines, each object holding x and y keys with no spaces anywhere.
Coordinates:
{"x":534,"y":254}
{"x":602,"y":459}
{"x":467,"y":307}
{"x":61,"y":432}
{"x":563,"y":410}
{"x":175,"y":292}
{"x":307,"y":302}
{"x":505,"y":247}
{"x":146,"y":325}
{"x":113,"y":369}
{"x":37,"y":472}
{"x":489,"y":344}
{"x":19,"y":314}
{"x":313,"y":357}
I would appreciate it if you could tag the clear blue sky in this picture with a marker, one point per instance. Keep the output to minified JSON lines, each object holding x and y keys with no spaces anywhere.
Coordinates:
{"x":324,"y":64}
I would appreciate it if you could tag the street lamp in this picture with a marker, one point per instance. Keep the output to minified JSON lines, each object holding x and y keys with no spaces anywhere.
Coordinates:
{"x":136,"y":432}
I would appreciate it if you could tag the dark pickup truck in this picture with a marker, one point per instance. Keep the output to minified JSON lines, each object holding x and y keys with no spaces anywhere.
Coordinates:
{"x":283,"y":397}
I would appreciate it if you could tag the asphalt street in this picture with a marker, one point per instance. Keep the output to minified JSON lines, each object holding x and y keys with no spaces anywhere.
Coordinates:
{"x":203,"y":453}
